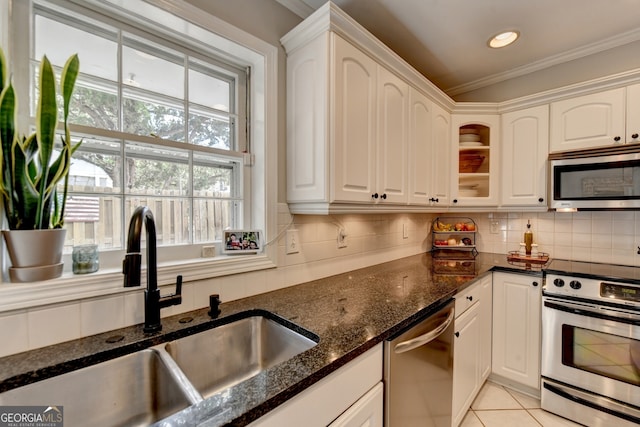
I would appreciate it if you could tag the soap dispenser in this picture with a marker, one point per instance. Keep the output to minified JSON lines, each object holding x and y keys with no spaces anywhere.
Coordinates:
{"x":528,"y":238}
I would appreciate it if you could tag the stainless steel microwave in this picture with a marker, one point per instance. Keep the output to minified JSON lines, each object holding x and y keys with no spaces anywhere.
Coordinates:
{"x":607,"y":178}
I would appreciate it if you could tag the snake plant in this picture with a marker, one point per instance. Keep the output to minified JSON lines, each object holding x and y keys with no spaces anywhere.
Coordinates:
{"x":31,"y":172}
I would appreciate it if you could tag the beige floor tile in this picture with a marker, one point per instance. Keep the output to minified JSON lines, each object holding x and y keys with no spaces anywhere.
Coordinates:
{"x":507,"y":418}
{"x":547,"y":419}
{"x":470,"y":420}
{"x":493,"y":396}
{"x":527,"y":402}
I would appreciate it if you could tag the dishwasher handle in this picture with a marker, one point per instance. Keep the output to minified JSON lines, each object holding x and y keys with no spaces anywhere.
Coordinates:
{"x":416,"y":342}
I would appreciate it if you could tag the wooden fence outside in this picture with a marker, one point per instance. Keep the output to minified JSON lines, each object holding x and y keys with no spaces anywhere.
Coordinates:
{"x":97,"y":218}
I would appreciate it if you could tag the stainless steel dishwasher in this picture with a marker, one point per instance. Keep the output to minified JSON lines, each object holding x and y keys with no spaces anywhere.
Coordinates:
{"x":418,"y":372}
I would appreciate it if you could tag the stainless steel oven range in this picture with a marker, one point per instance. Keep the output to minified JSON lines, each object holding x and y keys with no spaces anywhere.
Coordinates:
{"x":591,"y":343}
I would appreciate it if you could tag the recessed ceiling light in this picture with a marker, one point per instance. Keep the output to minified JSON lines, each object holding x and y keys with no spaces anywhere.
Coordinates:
{"x":503,"y":39}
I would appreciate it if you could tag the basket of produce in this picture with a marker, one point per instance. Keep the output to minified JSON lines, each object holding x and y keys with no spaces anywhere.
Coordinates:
{"x":453,"y":238}
{"x":470,"y":163}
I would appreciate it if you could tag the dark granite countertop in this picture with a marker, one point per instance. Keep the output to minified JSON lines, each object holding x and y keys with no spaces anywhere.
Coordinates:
{"x":350,"y":313}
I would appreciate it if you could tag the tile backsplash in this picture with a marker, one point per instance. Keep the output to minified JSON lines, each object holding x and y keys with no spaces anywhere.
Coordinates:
{"x":371,"y":239}
{"x":598,"y":236}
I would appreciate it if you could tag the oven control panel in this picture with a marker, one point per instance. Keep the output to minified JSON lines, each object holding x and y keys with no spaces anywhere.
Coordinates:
{"x":593,"y":289}
{"x":620,"y":291}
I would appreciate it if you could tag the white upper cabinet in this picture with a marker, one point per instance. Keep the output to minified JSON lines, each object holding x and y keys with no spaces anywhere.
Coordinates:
{"x":393,"y":131}
{"x":440,"y":157}
{"x":429,"y":142}
{"x":351,"y":124}
{"x":475,"y":159}
{"x":600,"y":119}
{"x":633,"y":113}
{"x":353,"y":114}
{"x":525,"y":146}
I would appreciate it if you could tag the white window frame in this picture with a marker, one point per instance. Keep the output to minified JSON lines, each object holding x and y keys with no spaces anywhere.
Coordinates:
{"x":244,"y":48}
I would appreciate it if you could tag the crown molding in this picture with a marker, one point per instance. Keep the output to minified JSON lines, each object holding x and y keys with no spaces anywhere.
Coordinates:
{"x":570,"y":55}
{"x":298,"y":7}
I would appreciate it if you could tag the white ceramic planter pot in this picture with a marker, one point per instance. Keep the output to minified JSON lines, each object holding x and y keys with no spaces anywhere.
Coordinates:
{"x":35,"y":254}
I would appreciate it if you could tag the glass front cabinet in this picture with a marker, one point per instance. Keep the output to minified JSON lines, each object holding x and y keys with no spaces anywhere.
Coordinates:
{"x":475,"y":161}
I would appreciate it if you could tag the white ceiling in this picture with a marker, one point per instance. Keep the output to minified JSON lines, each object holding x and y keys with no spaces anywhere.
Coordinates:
{"x":446,"y":40}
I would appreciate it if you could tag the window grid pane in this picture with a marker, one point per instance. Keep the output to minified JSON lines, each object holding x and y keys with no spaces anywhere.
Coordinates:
{"x":194,"y":195}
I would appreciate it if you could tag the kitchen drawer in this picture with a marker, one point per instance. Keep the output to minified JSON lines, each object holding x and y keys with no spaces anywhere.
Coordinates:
{"x":467,"y":298}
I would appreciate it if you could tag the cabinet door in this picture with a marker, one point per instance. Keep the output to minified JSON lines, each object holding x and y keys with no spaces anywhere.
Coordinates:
{"x":485,"y":316}
{"x":633,"y":113}
{"x":429,"y":151}
{"x":525,"y":142}
{"x":588,"y":121}
{"x":466,"y":369}
{"x":324,"y":402}
{"x":420,"y":145}
{"x":354,"y":123}
{"x":393,"y":124}
{"x":307,"y":94}
{"x":478,"y":186}
{"x":516,"y":328}
{"x":440,"y":157}
{"x":366,"y":412}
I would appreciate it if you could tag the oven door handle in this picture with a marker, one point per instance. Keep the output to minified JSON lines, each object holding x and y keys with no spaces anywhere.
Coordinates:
{"x":583,"y":310}
{"x":565,"y":394}
{"x":423,"y":339}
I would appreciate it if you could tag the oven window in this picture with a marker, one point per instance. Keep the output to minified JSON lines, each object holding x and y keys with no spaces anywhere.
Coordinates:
{"x":603,"y":181}
{"x":608,"y":355}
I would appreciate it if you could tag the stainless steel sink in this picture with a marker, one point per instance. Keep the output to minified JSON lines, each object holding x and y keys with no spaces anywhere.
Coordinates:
{"x":133,"y":390}
{"x":149,"y":385}
{"x":226,"y":355}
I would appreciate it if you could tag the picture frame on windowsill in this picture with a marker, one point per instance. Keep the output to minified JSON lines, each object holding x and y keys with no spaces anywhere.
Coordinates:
{"x":242,"y":242}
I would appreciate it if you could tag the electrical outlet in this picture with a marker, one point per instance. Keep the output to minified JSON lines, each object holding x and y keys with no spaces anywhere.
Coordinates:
{"x":292,"y":242}
{"x":495,"y":227}
{"x":342,"y":238}
{"x":405,"y":231}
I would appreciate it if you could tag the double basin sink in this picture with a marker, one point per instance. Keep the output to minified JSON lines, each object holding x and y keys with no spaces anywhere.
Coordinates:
{"x":146,"y":386}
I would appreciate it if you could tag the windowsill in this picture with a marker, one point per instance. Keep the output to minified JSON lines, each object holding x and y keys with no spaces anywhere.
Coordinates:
{"x":73,"y":287}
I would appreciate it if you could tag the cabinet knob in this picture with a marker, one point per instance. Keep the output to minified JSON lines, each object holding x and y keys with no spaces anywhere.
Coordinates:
{"x":384,"y":196}
{"x":470,"y":298}
{"x":617,"y":139}
{"x":455,"y":200}
{"x":535,"y":283}
{"x":433,"y":200}
{"x":634,"y":136}
{"x":374,"y":196}
{"x":457,"y":334}
{"x":540,"y":199}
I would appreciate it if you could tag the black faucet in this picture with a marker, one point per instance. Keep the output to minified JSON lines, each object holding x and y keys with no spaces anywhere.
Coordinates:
{"x":131,"y":266}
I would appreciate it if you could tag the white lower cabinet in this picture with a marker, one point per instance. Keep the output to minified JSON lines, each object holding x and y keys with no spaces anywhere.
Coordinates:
{"x":466,"y":366}
{"x":517,"y":300}
{"x":349,"y":397}
{"x":472,"y":346}
{"x":366,"y":412}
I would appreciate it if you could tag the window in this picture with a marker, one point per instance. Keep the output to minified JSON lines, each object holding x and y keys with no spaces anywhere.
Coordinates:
{"x":161,"y":124}
{"x":163,"y":114}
